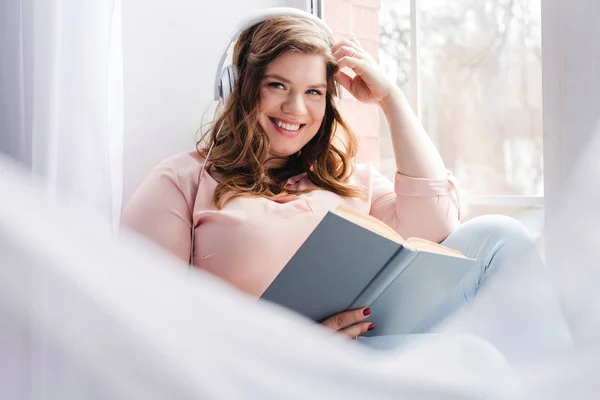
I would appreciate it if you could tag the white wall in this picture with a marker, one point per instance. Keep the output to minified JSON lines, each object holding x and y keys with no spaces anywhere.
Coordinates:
{"x":170,"y":54}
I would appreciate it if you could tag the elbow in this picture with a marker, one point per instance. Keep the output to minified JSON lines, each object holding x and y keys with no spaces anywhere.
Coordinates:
{"x":445,"y":228}
{"x":445,"y":220}
{"x":433,"y":219}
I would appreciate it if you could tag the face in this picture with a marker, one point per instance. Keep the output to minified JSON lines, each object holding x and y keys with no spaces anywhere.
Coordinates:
{"x":293,"y":99}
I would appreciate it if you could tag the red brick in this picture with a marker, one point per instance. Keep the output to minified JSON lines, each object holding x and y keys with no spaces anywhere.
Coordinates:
{"x":338,"y":15}
{"x":358,"y":18}
{"x":365,"y":22}
{"x":367,"y":3}
{"x":343,"y":35}
{"x":371,"y":46}
{"x":362,"y":118}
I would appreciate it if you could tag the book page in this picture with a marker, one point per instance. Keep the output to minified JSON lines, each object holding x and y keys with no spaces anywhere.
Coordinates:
{"x":381,"y":228}
{"x":431,"y":247}
{"x":368,"y":222}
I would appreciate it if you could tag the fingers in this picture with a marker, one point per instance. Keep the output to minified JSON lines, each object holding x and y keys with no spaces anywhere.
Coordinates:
{"x":345,"y":80}
{"x":345,"y":319}
{"x":358,"y":329}
{"x":348,"y":51}
{"x":353,"y":44}
{"x":353,"y":63}
{"x":367,"y":82}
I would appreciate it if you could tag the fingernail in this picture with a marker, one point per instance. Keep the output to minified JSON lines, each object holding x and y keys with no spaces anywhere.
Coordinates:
{"x":371,"y":327}
{"x":366,"y":311}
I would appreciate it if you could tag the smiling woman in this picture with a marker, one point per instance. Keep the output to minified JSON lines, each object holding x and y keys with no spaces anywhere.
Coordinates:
{"x":293,"y":101}
{"x":280,"y":157}
{"x":281,"y":119}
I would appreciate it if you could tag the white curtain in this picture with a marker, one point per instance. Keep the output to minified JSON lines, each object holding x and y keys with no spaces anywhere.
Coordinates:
{"x":61,"y":96}
{"x":88,"y":315}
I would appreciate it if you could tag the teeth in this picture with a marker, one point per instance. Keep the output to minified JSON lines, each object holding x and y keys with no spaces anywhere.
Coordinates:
{"x":287,"y":127}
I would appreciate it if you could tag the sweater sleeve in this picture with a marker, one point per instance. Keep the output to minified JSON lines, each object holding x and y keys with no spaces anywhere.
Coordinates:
{"x":416,"y":207}
{"x":160,"y":210}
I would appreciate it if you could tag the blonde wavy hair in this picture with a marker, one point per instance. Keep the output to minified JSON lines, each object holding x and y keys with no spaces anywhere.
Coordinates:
{"x":241,"y":148}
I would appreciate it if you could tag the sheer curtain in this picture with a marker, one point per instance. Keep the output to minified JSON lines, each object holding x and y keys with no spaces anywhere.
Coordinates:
{"x":61,"y":96}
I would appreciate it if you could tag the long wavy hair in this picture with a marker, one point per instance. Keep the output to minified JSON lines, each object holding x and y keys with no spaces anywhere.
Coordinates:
{"x":241,"y":147}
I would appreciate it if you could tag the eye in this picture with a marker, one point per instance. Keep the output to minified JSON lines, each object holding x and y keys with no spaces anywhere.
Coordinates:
{"x":277,"y":85}
{"x":314,"y":92}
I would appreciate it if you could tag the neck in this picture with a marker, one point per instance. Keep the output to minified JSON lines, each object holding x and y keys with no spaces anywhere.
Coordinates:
{"x":274,"y":162}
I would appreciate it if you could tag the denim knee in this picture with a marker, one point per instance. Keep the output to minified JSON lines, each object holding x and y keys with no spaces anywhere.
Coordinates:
{"x":500,"y":225}
{"x":482,"y":237}
{"x":504,"y":230}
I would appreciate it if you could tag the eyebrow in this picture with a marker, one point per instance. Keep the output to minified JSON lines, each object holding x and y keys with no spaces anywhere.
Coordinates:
{"x":282,"y":79}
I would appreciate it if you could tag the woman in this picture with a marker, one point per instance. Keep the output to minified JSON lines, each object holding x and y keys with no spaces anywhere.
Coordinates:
{"x":281,"y":158}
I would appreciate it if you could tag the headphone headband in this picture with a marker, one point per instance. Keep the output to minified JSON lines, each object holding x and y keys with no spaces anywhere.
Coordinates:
{"x":253,"y":19}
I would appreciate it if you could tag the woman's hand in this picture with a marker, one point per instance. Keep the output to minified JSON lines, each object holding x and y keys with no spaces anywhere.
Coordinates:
{"x":349,"y":322}
{"x":370,"y":85}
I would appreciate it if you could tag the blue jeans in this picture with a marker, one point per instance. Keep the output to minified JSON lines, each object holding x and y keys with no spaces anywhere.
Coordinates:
{"x":520,"y":313}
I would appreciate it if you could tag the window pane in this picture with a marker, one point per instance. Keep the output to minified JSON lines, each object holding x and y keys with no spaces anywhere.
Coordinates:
{"x":395,"y":60}
{"x":481,"y":96}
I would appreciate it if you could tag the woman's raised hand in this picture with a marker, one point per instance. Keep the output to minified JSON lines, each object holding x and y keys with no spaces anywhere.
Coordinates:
{"x":350,"y":323}
{"x":370,"y":84}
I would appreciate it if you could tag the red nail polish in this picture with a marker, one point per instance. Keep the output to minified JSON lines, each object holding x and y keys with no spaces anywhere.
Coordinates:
{"x":366,"y":311}
{"x":371,"y":327}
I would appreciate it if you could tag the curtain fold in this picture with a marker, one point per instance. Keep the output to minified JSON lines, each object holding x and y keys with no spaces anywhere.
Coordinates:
{"x":61,"y":112}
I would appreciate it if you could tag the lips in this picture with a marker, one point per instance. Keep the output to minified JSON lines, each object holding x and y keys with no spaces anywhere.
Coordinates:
{"x":287,"y":128}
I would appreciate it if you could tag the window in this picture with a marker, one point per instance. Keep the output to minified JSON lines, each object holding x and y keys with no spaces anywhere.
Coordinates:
{"x":472,"y":71}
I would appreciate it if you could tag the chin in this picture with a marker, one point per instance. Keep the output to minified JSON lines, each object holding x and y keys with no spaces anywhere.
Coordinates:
{"x":285,"y":147}
{"x":286,"y":144}
{"x":285,"y":152}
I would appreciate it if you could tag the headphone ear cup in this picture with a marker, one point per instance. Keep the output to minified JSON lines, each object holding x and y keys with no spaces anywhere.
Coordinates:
{"x":228,"y":80}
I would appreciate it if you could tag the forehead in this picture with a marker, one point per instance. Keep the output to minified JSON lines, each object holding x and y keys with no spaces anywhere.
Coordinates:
{"x":299,"y":67}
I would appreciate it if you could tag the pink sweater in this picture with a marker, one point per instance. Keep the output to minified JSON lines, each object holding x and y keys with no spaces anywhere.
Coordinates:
{"x":250,"y":240}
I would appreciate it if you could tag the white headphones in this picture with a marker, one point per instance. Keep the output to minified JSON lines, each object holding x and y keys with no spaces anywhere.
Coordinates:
{"x":226,"y":76}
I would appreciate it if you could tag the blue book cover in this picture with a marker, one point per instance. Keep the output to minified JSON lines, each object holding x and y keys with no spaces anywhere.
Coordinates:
{"x":352,"y":260}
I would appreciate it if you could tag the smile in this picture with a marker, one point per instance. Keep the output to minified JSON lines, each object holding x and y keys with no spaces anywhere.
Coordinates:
{"x":285,"y":127}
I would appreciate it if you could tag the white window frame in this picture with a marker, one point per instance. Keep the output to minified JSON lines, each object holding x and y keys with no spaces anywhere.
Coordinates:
{"x":316,"y":6}
{"x":415,"y":76}
{"x":570,"y":91}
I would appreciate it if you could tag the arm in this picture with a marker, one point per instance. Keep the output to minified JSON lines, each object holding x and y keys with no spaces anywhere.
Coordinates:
{"x":415,"y":153}
{"x":423,"y":200}
{"x":159,"y":211}
{"x":420,"y":207}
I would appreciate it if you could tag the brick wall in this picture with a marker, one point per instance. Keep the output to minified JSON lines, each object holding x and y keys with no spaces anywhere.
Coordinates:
{"x":358,"y":18}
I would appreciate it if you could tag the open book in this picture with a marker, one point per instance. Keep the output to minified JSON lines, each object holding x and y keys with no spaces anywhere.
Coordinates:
{"x":381,"y":228}
{"x":354,"y":260}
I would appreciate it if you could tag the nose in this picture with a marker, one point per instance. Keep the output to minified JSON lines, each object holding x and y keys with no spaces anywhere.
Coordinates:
{"x":294,"y":104}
